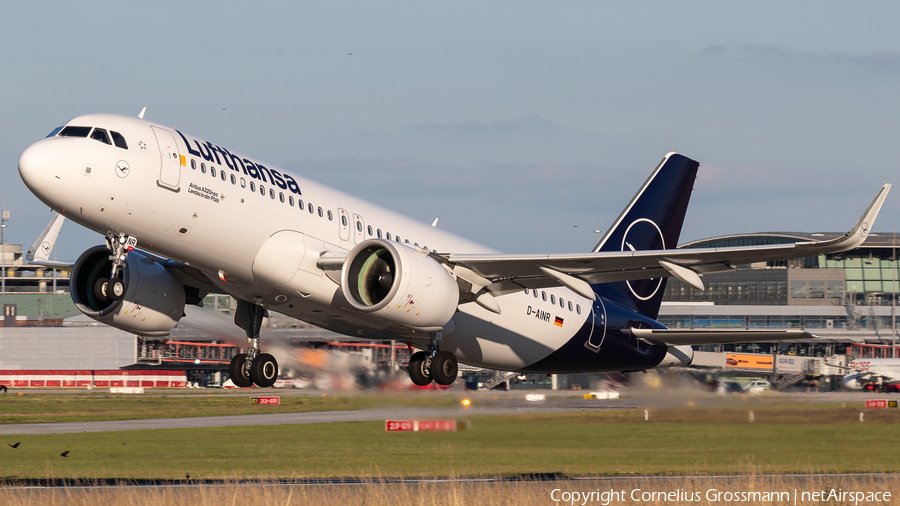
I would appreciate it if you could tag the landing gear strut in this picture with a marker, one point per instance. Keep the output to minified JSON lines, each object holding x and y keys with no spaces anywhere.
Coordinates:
{"x":432,"y":364}
{"x":253,"y":366}
{"x":113,"y":288}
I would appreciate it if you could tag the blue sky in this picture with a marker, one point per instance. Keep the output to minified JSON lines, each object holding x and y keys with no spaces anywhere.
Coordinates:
{"x":522,"y":125}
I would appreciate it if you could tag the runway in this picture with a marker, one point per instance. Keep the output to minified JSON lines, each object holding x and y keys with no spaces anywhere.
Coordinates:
{"x":296,"y":418}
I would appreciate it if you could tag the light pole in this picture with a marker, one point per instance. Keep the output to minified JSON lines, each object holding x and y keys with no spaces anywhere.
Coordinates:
{"x":3,"y":251}
{"x":40,"y":313}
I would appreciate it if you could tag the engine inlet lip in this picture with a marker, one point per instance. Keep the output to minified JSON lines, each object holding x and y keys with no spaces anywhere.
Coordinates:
{"x":345,"y":274}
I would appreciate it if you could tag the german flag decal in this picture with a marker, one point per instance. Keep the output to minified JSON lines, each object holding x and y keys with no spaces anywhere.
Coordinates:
{"x":558,"y":322}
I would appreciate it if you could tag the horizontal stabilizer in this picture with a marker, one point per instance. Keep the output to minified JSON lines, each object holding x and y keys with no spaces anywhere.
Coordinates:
{"x":678,"y":337}
{"x":39,"y":252}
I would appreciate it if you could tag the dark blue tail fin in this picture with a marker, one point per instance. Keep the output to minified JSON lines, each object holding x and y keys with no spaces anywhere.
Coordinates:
{"x":652,"y":220}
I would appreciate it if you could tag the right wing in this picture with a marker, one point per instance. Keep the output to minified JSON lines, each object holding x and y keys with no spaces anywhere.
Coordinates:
{"x":501,"y":273}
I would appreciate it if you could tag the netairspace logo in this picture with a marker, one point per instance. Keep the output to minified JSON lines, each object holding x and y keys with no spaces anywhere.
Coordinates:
{"x":679,"y":496}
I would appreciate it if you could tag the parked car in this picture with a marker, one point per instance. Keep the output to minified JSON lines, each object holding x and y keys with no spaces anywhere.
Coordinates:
{"x":729,"y":387}
{"x":757,"y":386}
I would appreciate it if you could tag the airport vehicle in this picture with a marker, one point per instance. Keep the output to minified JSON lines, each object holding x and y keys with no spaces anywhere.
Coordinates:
{"x":757,"y":387}
{"x":873,"y":374}
{"x":183,"y":217}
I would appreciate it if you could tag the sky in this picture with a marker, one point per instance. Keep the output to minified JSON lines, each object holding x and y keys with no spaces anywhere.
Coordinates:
{"x":525,"y":126}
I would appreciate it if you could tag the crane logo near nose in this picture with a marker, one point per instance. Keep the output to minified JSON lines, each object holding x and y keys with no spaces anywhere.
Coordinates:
{"x":122,"y":168}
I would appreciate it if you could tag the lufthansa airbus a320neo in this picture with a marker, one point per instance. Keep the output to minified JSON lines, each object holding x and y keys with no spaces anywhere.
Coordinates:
{"x":184,"y":217}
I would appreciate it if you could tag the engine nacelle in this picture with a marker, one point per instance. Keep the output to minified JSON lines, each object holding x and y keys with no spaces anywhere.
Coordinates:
{"x":399,"y":284}
{"x":154,"y":298}
{"x":677,"y":356}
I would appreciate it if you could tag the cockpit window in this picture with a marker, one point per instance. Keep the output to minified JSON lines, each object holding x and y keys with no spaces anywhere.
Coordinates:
{"x":75,"y":131}
{"x":100,"y":135}
{"x":119,"y":140}
{"x":55,"y":131}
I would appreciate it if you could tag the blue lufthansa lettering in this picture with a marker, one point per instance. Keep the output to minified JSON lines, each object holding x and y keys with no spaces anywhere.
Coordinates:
{"x":277,"y":179}
{"x":262,"y":169}
{"x":250,"y":169}
{"x":209,"y":151}
{"x":207,"y":155}
{"x":226,"y":156}
{"x":212,"y":147}
{"x":292,"y":185}
{"x":188,"y":144}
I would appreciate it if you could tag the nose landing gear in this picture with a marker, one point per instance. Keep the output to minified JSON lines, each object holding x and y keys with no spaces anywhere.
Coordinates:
{"x":432,"y":364}
{"x":253,"y":366}
{"x":113,"y":287}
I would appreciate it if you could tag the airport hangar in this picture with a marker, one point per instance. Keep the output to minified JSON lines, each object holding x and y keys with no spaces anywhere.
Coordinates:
{"x":848,"y":300}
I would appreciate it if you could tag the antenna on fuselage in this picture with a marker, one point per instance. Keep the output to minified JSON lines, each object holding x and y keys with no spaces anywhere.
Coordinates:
{"x":141,"y":115}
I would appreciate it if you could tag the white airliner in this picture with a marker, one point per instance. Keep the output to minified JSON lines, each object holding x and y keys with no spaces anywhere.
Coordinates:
{"x":184,"y":217}
{"x":875,"y":372}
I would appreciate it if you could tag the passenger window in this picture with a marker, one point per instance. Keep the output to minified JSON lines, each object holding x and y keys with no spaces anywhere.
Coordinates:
{"x":300,"y":204}
{"x":75,"y":131}
{"x":262,"y":190}
{"x":290,"y":201}
{"x":54,"y":132}
{"x":526,"y":291}
{"x":544,"y":296}
{"x":281,"y":197}
{"x":406,"y":241}
{"x":369,"y":229}
{"x":343,"y":220}
{"x":397,"y":239}
{"x":272,"y":195}
{"x":552,"y":299}
{"x":233,"y":179}
{"x":252,"y":186}
{"x":578,"y":308}
{"x":100,"y":135}
{"x":243,"y":183}
{"x":535,"y":294}
{"x":379,"y":233}
{"x":203,"y":168}
{"x":561,"y":303}
{"x":311,"y":209}
{"x":193,"y":164}
{"x":222,"y":174}
{"x":330,"y":216}
{"x":388,"y":236}
{"x":212,"y":171}
{"x":118,"y":140}
{"x":570,"y":305}
{"x":359,"y":226}
{"x":321,"y":214}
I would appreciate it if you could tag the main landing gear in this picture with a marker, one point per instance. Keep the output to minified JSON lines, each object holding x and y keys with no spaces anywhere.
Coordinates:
{"x":113,"y":287}
{"x":253,"y":366}
{"x":432,"y":364}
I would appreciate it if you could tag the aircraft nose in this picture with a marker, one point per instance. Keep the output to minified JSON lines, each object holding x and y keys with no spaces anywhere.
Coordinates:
{"x":36,"y":166}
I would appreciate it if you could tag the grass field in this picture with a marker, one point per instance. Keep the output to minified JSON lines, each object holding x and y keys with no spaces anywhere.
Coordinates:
{"x":704,"y":491}
{"x":782,"y":439}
